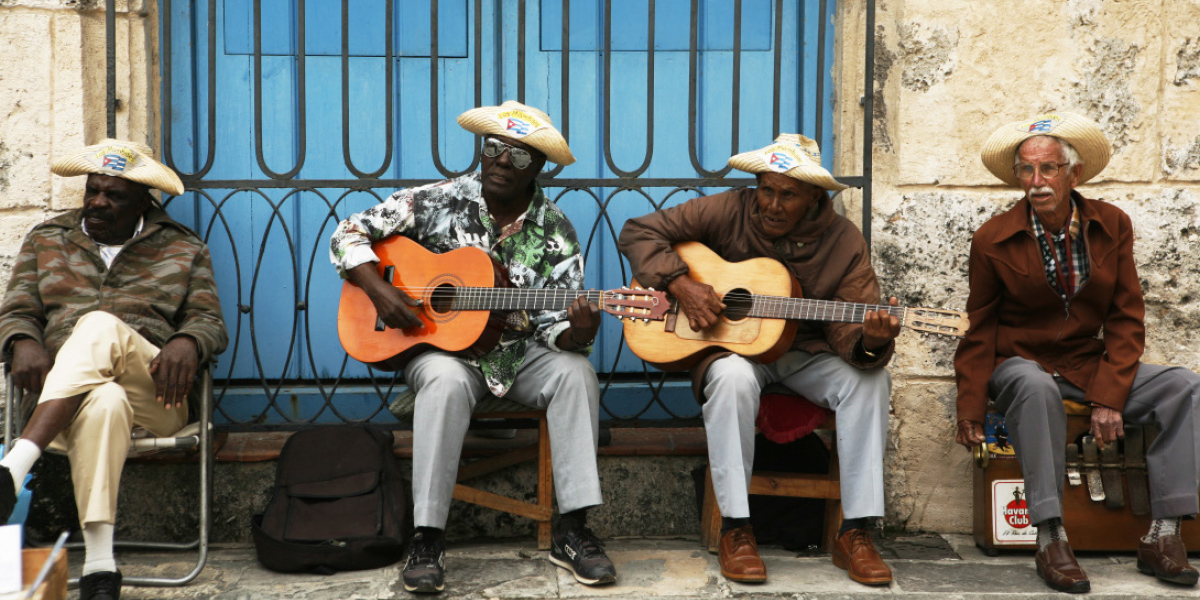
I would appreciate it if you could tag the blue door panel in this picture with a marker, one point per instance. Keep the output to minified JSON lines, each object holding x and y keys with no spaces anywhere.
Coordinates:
{"x":270,"y":244}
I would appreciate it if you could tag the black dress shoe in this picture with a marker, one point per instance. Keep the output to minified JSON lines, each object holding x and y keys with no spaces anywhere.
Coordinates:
{"x":1166,"y":559}
{"x":8,"y":494}
{"x":1056,"y":565}
{"x":103,"y":585}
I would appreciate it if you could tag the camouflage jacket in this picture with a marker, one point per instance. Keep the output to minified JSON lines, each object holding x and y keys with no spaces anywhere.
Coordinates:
{"x":161,"y":284}
{"x":539,"y":250}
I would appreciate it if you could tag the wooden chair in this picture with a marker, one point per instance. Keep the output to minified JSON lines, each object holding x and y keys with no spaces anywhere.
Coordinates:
{"x":792,"y":485}
{"x":491,"y":408}
{"x":196,"y":435}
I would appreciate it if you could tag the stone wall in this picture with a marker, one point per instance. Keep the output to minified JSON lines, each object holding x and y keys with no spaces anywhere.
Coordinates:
{"x":52,"y":94}
{"x":947,"y":74}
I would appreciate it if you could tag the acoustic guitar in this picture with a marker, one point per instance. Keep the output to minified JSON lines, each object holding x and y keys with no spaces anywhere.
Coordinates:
{"x":465,"y":304}
{"x":763,"y":303}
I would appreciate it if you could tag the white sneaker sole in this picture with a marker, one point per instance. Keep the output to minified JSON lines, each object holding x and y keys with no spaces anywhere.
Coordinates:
{"x":581,"y":579}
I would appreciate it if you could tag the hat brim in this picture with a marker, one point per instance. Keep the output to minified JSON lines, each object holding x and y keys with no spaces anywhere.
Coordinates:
{"x":1085,"y":136}
{"x":137,"y":166}
{"x":752,"y":162}
{"x":546,"y":139}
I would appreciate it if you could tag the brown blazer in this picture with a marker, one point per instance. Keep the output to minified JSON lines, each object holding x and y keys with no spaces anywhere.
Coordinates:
{"x":826,"y":252}
{"x":1015,"y":312}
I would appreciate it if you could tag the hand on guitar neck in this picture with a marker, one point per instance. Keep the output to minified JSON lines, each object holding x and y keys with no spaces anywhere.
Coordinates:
{"x":880,"y":328}
{"x":584,"y":318}
{"x":390,"y":302}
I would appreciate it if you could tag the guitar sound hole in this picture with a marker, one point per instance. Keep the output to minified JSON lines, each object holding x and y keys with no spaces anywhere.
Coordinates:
{"x":442,"y":298}
{"x":737,"y":304}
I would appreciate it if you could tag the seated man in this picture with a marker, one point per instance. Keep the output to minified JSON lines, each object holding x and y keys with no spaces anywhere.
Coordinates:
{"x":540,"y":360}
{"x":788,"y":217}
{"x":1047,"y":277}
{"x":110,"y":311}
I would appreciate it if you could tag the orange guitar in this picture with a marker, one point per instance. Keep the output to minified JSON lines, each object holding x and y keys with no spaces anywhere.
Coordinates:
{"x":763,"y":303}
{"x":464,"y":304}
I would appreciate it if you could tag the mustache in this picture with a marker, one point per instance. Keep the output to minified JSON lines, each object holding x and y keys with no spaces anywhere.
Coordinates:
{"x":1042,"y":189}
{"x":98,"y":215}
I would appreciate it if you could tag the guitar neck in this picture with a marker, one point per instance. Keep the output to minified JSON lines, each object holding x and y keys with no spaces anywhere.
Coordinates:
{"x":805,"y":309}
{"x":477,"y":298}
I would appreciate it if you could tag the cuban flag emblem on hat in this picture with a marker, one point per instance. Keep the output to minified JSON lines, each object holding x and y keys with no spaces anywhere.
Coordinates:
{"x":1044,"y":123}
{"x":518,"y":124}
{"x":115,"y":162}
{"x":780,"y":159}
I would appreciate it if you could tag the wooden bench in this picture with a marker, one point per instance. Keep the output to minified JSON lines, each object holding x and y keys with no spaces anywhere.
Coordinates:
{"x":515,"y":414}
{"x":792,"y":485}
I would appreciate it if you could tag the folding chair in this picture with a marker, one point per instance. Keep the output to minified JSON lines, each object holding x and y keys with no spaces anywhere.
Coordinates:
{"x":195,"y":435}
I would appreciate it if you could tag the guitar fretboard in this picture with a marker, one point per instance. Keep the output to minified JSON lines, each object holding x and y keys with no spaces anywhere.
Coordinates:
{"x":777,"y":307}
{"x":476,"y":298}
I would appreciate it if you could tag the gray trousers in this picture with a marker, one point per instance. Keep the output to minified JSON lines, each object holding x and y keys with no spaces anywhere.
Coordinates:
{"x":447,"y":388}
{"x":860,"y":398}
{"x":1031,"y":400}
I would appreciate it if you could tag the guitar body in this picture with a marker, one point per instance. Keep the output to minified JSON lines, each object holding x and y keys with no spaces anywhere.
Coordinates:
{"x":671,"y":345}
{"x":470,"y":332}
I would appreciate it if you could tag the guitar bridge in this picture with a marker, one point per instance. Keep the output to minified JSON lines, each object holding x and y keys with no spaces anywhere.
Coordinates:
{"x":671,"y":316}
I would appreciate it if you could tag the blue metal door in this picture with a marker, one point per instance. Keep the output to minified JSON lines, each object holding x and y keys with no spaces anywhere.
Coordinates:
{"x":285,"y":116}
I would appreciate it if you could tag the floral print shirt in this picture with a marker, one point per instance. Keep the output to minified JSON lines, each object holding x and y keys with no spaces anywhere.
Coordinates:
{"x":540,"y":250}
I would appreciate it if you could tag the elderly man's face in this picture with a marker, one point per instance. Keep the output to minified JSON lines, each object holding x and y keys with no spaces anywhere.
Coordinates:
{"x":504,"y":182}
{"x":1048,"y":195}
{"x":112,"y":207}
{"x":783,"y":201}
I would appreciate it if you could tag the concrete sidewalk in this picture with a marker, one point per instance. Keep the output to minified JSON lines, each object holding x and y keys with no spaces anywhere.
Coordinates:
{"x":925,"y":567}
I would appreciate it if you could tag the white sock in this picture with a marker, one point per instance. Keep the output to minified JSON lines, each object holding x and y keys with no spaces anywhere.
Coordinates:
{"x":1162,"y":527}
{"x":19,"y":459}
{"x":98,"y":548}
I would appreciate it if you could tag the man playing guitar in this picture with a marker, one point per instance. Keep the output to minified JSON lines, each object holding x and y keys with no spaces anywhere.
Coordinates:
{"x":541,"y":357}
{"x":839,"y":365}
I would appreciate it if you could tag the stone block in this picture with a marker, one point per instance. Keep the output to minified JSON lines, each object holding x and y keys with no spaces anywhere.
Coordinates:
{"x":927,"y":475}
{"x":24,"y":119}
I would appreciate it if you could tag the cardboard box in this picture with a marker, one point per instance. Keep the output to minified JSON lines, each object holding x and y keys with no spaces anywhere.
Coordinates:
{"x":55,"y":585}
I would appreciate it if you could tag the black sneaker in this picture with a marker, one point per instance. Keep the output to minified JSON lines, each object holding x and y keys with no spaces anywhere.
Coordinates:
{"x":8,"y":494}
{"x":104,"y":585}
{"x":582,"y":553}
{"x":425,"y":570}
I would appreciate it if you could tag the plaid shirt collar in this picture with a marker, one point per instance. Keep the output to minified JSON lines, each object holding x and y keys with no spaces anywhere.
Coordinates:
{"x":1078,"y":261}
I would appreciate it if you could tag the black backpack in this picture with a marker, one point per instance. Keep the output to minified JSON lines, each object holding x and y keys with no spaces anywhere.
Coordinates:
{"x":338,"y":503}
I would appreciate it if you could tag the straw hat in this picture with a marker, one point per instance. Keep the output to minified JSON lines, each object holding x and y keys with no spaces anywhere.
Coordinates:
{"x":520,"y":122}
{"x":793,"y":155}
{"x":1083,"y":133}
{"x":119,"y":158}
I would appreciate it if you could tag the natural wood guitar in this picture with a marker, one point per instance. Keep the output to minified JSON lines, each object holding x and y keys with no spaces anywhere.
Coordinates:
{"x":465,"y":302}
{"x":763,"y":303}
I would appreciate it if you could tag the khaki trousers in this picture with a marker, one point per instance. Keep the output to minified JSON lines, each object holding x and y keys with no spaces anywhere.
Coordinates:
{"x":110,"y":362}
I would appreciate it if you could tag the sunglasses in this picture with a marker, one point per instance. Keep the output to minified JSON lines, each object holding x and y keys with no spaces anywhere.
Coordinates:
{"x":519,"y":157}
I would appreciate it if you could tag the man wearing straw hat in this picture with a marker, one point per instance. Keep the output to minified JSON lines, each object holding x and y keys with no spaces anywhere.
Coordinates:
{"x":1057,"y":312}
{"x":110,"y":311}
{"x":789,"y":216}
{"x":541,"y":359}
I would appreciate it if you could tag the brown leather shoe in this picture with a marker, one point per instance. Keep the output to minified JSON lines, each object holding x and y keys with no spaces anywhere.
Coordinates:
{"x":1166,"y":559}
{"x":855,"y":552}
{"x":1056,"y":565}
{"x":738,"y":555}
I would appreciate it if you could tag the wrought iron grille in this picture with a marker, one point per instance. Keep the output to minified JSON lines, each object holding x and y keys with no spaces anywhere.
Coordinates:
{"x":266,"y":119}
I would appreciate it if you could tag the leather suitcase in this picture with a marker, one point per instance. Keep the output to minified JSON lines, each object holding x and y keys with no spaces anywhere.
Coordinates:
{"x":1105,"y":497}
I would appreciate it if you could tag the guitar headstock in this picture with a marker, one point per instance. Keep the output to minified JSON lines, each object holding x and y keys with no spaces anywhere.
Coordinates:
{"x":635,"y":303}
{"x":936,"y":320}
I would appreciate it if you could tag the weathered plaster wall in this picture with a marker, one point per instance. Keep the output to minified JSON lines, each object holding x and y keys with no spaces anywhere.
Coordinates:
{"x":947,"y":74}
{"x":52,"y":90}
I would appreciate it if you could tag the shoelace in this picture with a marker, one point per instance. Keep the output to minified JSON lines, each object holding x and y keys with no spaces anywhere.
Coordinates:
{"x":424,"y":552}
{"x":859,"y":538}
{"x":589,"y":545}
{"x":744,"y":538}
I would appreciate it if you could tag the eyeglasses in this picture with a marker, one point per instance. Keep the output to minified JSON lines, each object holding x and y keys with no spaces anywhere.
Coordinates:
{"x":519,"y":157}
{"x":1048,"y":170}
